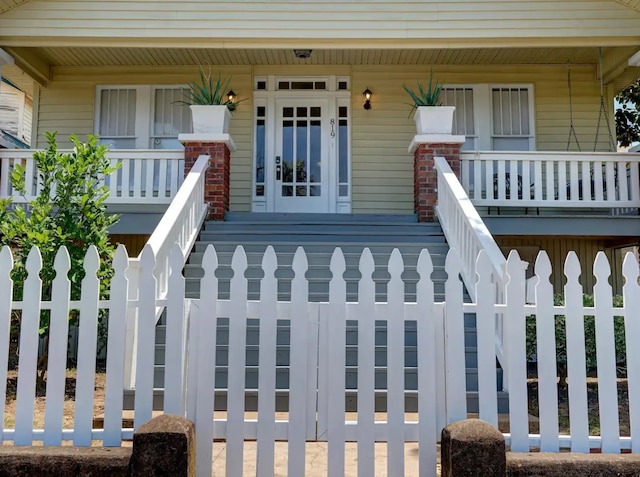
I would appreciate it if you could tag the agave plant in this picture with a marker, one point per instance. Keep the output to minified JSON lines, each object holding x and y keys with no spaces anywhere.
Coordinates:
{"x":206,"y":92}
{"x":425,"y":97}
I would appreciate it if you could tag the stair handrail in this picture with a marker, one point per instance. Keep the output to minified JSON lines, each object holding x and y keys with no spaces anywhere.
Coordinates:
{"x":466,"y":232}
{"x":180,"y":224}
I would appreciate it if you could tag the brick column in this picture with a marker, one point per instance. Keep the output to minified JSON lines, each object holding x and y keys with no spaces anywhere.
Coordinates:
{"x":217,"y":179}
{"x":425,"y":178}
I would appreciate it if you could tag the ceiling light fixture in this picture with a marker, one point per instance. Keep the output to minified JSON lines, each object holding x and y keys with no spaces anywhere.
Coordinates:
{"x":302,"y":54}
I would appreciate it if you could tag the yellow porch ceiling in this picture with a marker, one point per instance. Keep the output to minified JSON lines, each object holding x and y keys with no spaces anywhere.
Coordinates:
{"x":6,"y":5}
{"x":95,"y":57}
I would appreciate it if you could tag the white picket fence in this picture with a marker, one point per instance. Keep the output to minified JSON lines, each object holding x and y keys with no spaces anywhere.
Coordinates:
{"x":317,"y":358}
{"x":143,"y":177}
{"x":552,"y":179}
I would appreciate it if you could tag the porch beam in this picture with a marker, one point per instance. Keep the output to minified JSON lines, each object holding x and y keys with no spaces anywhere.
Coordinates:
{"x":315,"y":43}
{"x":32,"y":64}
{"x":615,"y":61}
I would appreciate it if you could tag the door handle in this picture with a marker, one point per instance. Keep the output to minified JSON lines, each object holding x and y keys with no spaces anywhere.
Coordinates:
{"x":278,"y":169}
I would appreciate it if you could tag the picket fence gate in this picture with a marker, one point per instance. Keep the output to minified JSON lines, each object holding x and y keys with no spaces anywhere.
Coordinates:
{"x":317,"y":350}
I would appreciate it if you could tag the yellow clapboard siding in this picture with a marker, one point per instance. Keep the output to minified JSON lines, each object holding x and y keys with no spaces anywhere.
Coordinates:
{"x":382,"y":169}
{"x":182,"y":22}
{"x":557,"y":248}
{"x":134,"y":243}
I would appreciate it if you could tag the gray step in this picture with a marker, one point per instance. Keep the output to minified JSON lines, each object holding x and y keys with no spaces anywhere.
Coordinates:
{"x":260,"y":218}
{"x":419,"y":230}
{"x":410,"y":256}
{"x":320,"y":235}
{"x":351,"y":399}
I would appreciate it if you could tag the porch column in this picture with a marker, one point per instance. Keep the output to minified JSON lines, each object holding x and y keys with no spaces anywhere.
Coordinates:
{"x":217,"y":180}
{"x":425,"y":179}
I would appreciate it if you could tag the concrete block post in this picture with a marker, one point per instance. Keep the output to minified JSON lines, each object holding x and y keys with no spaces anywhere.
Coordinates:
{"x":472,"y":448}
{"x":218,"y":177}
{"x":166,"y":445}
{"x":425,"y":148}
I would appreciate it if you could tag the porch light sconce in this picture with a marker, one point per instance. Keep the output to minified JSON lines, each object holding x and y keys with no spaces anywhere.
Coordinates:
{"x":367,"y":98}
{"x":231,"y":96}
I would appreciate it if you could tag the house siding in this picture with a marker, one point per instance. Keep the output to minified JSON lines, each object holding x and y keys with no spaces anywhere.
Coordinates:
{"x":15,"y":112}
{"x":279,"y":22}
{"x":557,"y":248}
{"x":134,"y":243}
{"x":382,"y":169}
{"x":67,"y":105}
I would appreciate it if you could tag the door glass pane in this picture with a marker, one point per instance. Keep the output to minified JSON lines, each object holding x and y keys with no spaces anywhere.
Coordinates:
{"x":315,"y":151}
{"x":287,"y":151}
{"x":301,"y":151}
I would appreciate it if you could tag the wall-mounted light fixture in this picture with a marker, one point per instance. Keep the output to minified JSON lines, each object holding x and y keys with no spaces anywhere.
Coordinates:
{"x":231,"y":96}
{"x":367,"y":98}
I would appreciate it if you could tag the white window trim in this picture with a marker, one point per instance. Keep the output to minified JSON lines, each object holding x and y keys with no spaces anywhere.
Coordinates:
{"x":483,"y":110}
{"x":267,"y":98}
{"x":145,"y":110}
{"x":532,"y":124}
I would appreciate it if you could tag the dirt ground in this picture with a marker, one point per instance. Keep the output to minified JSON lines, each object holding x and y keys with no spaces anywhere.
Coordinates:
{"x":592,"y":404}
{"x":39,"y":410}
{"x":563,"y":410}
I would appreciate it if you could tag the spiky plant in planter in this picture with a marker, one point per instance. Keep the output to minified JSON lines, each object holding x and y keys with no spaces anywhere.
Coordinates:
{"x":210,"y":106}
{"x":430,"y":116}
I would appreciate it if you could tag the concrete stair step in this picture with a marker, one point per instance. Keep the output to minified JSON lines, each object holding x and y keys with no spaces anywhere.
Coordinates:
{"x":351,"y":399}
{"x":261,"y":218}
{"x":321,"y":258}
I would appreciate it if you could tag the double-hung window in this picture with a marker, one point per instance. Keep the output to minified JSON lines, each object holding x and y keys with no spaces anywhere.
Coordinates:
{"x":141,"y":116}
{"x":493,"y":117}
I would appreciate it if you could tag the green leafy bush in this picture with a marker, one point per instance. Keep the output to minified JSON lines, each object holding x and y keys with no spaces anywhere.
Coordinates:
{"x":69,"y":211}
{"x":589,"y":332}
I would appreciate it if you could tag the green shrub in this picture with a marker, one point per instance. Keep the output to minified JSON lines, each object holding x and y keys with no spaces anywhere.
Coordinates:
{"x":589,"y":332}
{"x":69,"y":211}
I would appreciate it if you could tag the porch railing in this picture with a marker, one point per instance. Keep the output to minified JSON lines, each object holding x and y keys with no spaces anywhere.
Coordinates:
{"x":180,"y":225}
{"x":552,"y":179}
{"x":468,"y":235}
{"x":144,"y":176}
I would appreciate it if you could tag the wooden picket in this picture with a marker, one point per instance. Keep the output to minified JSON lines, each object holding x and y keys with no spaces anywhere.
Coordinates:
{"x":6,"y":295}
{"x":58,"y":331}
{"x":318,"y":358}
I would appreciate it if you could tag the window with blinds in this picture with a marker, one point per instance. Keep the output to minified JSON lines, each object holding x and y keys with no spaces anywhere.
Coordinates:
{"x":511,"y":128}
{"x":141,"y":116}
{"x":170,"y":117}
{"x":463,"y":117}
{"x":117,"y":119}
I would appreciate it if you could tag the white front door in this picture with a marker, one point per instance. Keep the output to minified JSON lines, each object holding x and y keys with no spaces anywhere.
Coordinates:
{"x":302,"y":155}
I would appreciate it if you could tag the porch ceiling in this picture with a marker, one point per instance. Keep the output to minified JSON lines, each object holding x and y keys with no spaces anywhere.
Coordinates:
{"x":73,"y":56}
{"x":635,"y":4}
{"x":6,"y":5}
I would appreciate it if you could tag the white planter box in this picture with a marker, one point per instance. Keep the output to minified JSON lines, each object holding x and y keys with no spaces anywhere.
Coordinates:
{"x":213,"y":119}
{"x":434,"y":119}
